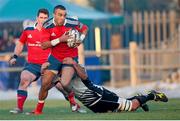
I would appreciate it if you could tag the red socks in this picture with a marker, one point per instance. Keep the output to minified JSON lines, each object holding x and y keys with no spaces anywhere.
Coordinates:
{"x":21,"y":98}
{"x":71,"y":98}
{"x":39,"y":106}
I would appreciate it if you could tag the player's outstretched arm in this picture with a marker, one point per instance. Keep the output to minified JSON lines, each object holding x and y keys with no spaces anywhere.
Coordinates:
{"x":79,"y":70}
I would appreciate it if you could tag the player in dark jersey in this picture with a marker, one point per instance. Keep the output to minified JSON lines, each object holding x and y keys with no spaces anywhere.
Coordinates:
{"x":99,"y":99}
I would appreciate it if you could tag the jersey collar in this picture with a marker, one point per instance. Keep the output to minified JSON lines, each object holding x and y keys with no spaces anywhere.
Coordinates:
{"x":56,"y":24}
{"x":35,"y":25}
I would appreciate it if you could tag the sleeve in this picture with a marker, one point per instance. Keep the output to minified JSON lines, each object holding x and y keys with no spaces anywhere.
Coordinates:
{"x":81,"y":27}
{"x":48,"y":23}
{"x":23,"y":37}
{"x":75,"y":23}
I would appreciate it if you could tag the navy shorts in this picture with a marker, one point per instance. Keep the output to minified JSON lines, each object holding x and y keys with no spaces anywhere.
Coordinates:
{"x":108,"y":102}
{"x":33,"y":68}
{"x":55,"y":64}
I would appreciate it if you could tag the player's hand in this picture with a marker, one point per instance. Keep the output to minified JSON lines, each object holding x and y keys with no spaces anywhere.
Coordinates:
{"x":44,"y":67}
{"x":45,"y":45}
{"x":69,"y":61}
{"x":13,"y":60}
{"x":77,"y":44}
{"x":65,"y":37}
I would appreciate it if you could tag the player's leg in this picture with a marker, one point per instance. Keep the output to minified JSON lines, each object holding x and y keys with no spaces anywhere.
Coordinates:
{"x":60,"y":88}
{"x":142,"y":99}
{"x":30,"y":73}
{"x":144,"y":106}
{"x":152,"y":95}
{"x":68,"y":96}
{"x":75,"y":107}
{"x":114,"y":105}
{"x":67,"y":73}
{"x":46,"y":84}
{"x":135,"y":102}
{"x":158,"y":96}
{"x":66,"y":76}
{"x":43,"y":93}
{"x":111,"y":102}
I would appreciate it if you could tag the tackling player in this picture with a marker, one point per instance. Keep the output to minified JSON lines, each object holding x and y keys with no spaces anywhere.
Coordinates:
{"x":58,"y":27}
{"x":99,"y":99}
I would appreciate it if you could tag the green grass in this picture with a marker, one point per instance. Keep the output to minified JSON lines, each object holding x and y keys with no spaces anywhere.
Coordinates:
{"x":59,"y":109}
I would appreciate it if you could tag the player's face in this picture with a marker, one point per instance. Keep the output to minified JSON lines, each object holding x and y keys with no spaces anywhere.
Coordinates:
{"x":42,"y":18}
{"x":59,"y":16}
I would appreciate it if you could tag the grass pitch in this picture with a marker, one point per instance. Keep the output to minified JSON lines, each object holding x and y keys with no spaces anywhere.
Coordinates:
{"x":59,"y":110}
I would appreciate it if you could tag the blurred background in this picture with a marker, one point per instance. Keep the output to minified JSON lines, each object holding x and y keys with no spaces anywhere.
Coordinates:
{"x":131,"y":44}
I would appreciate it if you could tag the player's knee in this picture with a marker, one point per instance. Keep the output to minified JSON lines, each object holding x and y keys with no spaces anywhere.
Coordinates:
{"x":24,"y":83}
{"x":25,"y":77}
{"x":135,"y":104}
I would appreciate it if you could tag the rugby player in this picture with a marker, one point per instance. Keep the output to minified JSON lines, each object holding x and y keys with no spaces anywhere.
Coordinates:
{"x":33,"y":36}
{"x":58,"y":26}
{"x":99,"y":99}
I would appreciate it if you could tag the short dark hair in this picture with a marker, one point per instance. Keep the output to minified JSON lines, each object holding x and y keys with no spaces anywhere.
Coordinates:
{"x":43,"y":10}
{"x":59,"y":7}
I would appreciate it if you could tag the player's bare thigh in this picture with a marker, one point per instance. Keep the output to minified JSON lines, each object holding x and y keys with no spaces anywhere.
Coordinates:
{"x":67,"y":75}
{"x":47,"y":78}
{"x":26,"y":78}
{"x":135,"y":104}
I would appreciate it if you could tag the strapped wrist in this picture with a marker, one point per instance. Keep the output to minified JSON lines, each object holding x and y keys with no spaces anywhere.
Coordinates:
{"x":15,"y":56}
{"x":55,"y":42}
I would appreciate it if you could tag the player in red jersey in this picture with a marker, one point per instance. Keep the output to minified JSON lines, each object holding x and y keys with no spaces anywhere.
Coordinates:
{"x":32,"y":36}
{"x":57,"y":27}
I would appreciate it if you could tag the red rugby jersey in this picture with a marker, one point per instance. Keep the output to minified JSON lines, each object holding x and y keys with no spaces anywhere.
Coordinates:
{"x":61,"y":50}
{"x":33,"y":38}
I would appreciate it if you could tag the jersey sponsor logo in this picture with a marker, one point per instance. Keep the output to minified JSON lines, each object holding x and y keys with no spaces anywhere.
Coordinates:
{"x":53,"y":34}
{"x":37,"y":44}
{"x":29,"y":36}
{"x":34,"y":45}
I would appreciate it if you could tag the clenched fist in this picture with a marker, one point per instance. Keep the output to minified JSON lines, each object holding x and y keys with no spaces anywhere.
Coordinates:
{"x":13,"y":60}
